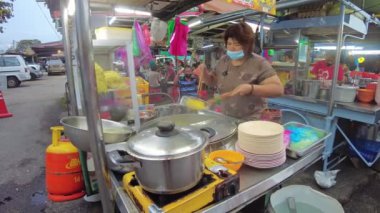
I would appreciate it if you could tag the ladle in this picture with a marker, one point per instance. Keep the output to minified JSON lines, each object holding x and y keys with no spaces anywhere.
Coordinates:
{"x":225,"y":161}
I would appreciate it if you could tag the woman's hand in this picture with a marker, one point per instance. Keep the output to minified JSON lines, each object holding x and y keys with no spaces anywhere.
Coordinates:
{"x":241,"y":90}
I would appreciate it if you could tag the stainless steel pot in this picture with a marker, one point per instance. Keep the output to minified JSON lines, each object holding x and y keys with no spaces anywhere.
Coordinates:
{"x":310,"y":88}
{"x":166,"y":160}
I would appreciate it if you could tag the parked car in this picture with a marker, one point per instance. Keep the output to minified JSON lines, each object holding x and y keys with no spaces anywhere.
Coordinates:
{"x":35,"y":71}
{"x":14,"y":68}
{"x":55,"y":66}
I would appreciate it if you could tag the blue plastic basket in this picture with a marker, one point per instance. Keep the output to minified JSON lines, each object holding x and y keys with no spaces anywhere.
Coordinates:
{"x":369,"y":149}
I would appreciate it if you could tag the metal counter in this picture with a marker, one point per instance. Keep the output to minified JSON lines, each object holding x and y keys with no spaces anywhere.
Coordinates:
{"x":253,"y":184}
{"x":366,"y":113}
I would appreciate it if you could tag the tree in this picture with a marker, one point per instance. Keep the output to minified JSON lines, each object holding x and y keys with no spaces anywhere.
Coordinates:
{"x":24,"y":45}
{"x":6,"y":11}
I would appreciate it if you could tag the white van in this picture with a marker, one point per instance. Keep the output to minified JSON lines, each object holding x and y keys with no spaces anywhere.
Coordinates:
{"x":15,"y":69}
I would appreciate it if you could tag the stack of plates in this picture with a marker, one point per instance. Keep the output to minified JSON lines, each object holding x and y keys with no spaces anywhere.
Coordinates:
{"x":262,"y":143}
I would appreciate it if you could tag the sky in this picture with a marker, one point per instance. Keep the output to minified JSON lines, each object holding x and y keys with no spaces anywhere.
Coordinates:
{"x":31,"y":20}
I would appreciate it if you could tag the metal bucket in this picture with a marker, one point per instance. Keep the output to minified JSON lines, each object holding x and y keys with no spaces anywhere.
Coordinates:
{"x":310,"y":88}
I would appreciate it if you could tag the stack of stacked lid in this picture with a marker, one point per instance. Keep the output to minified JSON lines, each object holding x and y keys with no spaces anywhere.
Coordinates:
{"x":262,"y":144}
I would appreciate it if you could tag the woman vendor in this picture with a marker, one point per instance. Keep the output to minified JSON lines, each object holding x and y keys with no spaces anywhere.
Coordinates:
{"x":244,"y":79}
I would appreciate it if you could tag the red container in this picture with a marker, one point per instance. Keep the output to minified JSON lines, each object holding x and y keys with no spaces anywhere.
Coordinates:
{"x":372,"y":86}
{"x":366,"y":95}
{"x":64,"y":179}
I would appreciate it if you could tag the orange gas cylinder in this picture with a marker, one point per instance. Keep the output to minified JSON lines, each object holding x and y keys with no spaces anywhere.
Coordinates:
{"x":64,"y":180}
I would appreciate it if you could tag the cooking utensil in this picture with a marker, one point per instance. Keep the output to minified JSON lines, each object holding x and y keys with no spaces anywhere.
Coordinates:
{"x":224,"y":161}
{"x":310,"y":88}
{"x":76,"y":129}
{"x":292,"y":205}
{"x":324,"y":94}
{"x":167,"y":160}
{"x":223,"y":127}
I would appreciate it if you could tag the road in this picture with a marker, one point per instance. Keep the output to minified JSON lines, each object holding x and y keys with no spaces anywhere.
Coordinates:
{"x":36,"y":106}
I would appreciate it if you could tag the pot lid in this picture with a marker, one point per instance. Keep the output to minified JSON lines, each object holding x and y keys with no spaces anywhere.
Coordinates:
{"x":223,"y":126}
{"x":166,"y":142}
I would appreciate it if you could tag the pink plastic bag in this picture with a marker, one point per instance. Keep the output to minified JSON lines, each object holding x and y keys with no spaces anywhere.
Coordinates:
{"x":178,"y":43}
{"x":146,"y":33}
{"x":145,"y":54}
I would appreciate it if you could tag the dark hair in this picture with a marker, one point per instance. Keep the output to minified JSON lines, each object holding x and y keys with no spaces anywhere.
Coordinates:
{"x":242,"y":33}
{"x":289,"y":54}
{"x":196,"y":64}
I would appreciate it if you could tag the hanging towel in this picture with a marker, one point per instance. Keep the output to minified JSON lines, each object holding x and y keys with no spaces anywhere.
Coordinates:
{"x":178,"y":43}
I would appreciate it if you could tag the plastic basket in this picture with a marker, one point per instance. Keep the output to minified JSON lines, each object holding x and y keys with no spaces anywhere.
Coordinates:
{"x":124,"y":95}
{"x":369,"y":149}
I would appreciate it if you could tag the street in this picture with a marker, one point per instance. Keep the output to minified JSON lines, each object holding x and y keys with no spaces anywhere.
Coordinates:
{"x":36,"y":106}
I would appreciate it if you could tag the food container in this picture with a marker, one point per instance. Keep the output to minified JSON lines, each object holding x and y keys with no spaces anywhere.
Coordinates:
{"x":372,"y":86}
{"x":310,"y":88}
{"x":303,"y":139}
{"x":366,"y":95}
{"x":345,"y":93}
{"x":76,"y":129}
{"x":167,"y":159}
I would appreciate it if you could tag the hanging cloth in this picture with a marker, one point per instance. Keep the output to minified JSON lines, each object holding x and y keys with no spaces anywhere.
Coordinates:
{"x":145,"y":54}
{"x":170,"y":31}
{"x":135,"y":43}
{"x":178,"y":43}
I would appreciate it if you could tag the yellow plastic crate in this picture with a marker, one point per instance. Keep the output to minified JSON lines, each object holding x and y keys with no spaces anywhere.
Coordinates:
{"x":124,"y":95}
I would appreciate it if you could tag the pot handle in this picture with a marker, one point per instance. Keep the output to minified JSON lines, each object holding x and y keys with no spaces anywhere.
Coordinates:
{"x":210,"y":131}
{"x":120,"y":158}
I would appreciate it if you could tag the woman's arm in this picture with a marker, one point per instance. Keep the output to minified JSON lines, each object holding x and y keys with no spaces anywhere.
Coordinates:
{"x":206,"y":77}
{"x":268,"y":88}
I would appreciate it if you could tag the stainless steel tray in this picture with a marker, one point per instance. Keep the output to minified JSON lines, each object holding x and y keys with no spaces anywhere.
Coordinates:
{"x":302,"y":152}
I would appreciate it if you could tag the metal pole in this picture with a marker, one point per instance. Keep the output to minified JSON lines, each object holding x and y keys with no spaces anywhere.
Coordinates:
{"x":262,"y":33}
{"x":295,"y":74}
{"x":132,"y":80}
{"x":87,"y":71}
{"x":68,"y":62}
{"x":337,"y":59}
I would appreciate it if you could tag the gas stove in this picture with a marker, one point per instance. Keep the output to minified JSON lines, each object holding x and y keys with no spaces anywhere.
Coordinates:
{"x":211,"y":188}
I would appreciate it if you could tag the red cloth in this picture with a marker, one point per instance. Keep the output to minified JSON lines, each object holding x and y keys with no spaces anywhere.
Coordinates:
{"x":374,"y":76}
{"x":178,"y":43}
{"x":322,"y":71}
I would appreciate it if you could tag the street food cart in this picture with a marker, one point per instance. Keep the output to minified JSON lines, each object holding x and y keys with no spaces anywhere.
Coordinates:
{"x":84,"y":51}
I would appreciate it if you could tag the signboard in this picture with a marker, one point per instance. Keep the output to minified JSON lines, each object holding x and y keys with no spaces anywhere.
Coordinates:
{"x":267,"y":6}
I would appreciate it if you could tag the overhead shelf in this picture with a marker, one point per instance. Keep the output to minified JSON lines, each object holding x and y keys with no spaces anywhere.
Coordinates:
{"x":108,"y":45}
{"x":323,"y":26}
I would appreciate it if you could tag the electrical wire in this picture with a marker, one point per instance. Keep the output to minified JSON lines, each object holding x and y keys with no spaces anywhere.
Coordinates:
{"x":47,"y":19}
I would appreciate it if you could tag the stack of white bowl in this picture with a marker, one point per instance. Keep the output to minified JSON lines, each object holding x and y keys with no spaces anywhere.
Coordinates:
{"x":262,"y":143}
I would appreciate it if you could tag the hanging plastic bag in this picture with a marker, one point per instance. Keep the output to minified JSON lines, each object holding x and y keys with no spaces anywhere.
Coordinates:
{"x":178,"y":43}
{"x":135,"y":43}
{"x":158,"y":30}
{"x":146,"y":34}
